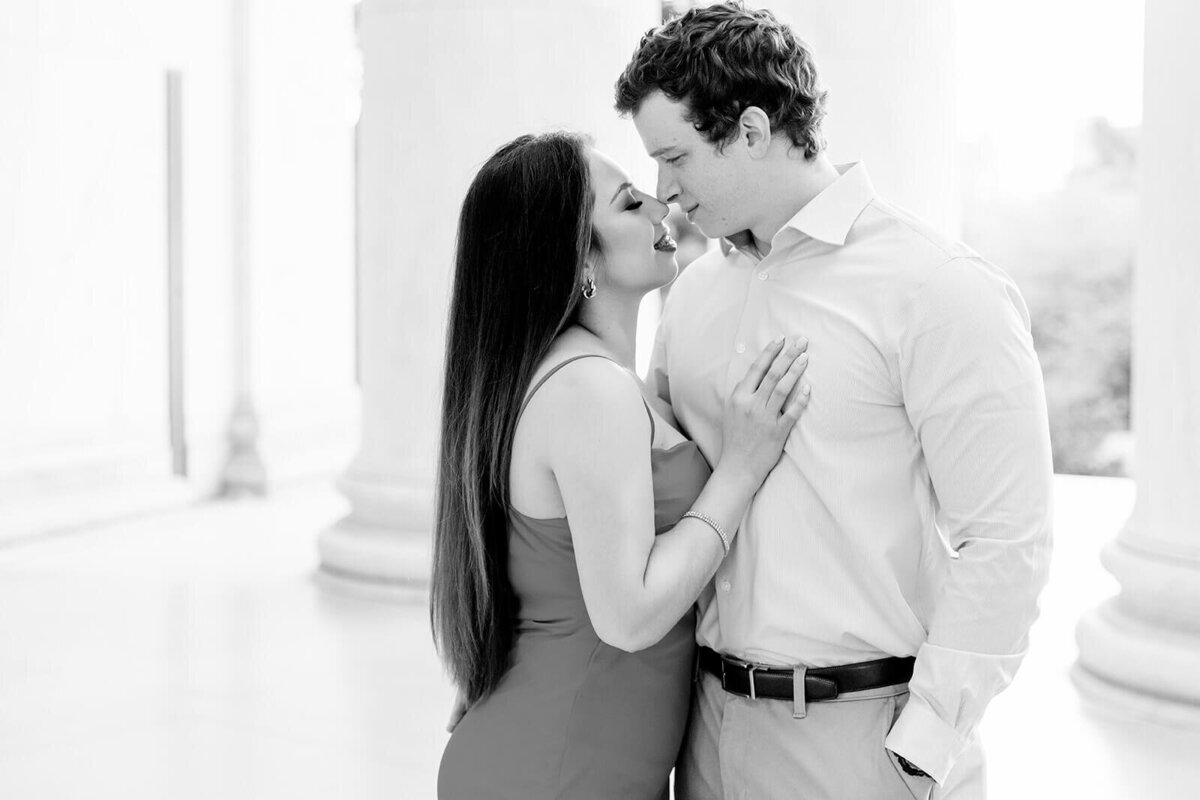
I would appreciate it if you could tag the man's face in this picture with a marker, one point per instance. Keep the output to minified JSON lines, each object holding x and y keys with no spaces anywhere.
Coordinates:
{"x":712,"y":187}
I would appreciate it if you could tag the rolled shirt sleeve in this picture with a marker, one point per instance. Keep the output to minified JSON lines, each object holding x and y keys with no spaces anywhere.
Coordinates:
{"x":973,"y":392}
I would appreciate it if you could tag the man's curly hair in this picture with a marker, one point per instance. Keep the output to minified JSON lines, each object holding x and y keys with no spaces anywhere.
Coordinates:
{"x":721,"y":60}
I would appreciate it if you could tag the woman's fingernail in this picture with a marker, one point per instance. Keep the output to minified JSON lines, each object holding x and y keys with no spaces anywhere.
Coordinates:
{"x":806,"y":389}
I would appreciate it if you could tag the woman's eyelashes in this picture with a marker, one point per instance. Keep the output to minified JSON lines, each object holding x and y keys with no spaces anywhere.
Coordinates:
{"x":634,"y":206}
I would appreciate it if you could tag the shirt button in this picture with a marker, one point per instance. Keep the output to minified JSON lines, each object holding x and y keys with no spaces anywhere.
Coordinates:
{"x":726,"y":586}
{"x":762,"y":276}
{"x":741,"y":348}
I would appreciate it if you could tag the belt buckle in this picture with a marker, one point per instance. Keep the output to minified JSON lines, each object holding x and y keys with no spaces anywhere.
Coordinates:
{"x":750,"y":668}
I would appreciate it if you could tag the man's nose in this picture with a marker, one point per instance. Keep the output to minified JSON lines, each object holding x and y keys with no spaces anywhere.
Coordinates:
{"x":667,"y":190}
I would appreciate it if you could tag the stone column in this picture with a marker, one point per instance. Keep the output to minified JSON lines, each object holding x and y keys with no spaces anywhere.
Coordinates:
{"x":1139,"y":652}
{"x":445,"y":84}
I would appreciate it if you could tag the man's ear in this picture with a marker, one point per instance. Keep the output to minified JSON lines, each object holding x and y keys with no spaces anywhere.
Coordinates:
{"x":754,"y":128}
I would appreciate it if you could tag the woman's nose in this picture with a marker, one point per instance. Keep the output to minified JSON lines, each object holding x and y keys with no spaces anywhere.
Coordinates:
{"x":657,"y":209}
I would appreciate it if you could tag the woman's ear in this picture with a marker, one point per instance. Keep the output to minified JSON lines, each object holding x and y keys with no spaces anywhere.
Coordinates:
{"x":593,"y":260}
{"x":589,"y":269}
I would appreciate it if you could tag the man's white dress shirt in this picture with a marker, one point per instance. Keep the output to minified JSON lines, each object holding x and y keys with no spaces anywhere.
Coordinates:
{"x":910,"y":512}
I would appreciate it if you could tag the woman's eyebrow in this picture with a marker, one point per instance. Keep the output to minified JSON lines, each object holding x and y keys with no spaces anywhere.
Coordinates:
{"x":621,"y":188}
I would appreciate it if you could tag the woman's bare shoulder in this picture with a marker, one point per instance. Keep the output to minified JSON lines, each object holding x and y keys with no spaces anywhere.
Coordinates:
{"x":592,"y":389}
{"x":585,"y":422}
{"x":571,"y":344}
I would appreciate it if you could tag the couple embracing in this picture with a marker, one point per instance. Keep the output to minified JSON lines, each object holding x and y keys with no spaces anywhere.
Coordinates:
{"x":798,"y":560}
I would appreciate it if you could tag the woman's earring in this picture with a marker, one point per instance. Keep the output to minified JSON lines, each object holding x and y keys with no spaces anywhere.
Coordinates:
{"x":589,"y":288}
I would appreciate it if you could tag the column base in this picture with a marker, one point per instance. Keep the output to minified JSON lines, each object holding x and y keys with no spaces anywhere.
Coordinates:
{"x":362,"y":588}
{"x":1119,"y":702}
{"x":371,"y":560}
{"x":1134,"y":669}
{"x":383,"y":549}
{"x":244,"y":473}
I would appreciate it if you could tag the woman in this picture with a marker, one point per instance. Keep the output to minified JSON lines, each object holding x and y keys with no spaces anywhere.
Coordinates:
{"x":576,"y":526}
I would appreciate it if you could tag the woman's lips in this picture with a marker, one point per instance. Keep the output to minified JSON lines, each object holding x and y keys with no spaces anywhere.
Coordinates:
{"x":665,"y":244}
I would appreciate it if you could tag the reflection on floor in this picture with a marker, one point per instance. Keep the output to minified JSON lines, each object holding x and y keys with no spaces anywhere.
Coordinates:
{"x":192,"y":655}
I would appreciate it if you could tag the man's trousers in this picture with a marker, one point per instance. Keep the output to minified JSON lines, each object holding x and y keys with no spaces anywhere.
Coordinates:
{"x":738,"y":748}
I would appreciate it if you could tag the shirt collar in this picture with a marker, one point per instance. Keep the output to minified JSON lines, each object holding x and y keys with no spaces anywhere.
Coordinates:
{"x":829,"y":216}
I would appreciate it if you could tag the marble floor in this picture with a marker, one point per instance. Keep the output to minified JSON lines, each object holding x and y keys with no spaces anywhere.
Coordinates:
{"x":192,"y":655}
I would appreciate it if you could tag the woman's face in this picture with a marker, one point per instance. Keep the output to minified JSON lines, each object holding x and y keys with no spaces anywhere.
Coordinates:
{"x":629,"y":225}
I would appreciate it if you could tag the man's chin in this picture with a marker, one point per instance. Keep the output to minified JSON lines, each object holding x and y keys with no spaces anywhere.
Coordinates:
{"x":710,"y":230}
{"x":714,"y":226}
{"x":717,"y":233}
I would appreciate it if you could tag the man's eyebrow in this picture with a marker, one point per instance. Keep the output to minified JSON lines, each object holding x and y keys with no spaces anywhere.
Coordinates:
{"x":621,"y":188}
{"x":662,"y":150}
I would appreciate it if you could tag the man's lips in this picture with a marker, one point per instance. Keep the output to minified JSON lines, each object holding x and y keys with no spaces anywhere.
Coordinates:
{"x":691,"y":211}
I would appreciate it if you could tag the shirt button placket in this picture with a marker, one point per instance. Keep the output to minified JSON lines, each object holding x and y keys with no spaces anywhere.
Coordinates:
{"x":747,"y":326}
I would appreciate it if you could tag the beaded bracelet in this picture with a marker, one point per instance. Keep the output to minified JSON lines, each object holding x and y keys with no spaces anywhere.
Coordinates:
{"x":712,"y":523}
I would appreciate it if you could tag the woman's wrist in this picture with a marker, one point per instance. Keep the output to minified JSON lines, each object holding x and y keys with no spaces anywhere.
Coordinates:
{"x":738,"y":477}
{"x":716,"y":527}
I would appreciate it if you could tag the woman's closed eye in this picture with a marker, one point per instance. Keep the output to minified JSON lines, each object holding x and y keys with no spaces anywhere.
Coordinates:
{"x":634,"y":206}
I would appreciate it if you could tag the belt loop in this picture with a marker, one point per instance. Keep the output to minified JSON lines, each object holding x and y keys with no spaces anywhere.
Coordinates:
{"x":799,"y":701}
{"x":750,"y":677}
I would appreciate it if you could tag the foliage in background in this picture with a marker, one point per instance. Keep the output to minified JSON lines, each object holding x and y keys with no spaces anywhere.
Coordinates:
{"x":1071,"y":253}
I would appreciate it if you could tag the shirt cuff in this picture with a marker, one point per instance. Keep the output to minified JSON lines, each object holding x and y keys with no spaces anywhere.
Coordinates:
{"x":925,"y":739}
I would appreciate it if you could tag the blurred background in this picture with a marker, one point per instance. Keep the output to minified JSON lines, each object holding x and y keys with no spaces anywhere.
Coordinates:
{"x":226,"y":237}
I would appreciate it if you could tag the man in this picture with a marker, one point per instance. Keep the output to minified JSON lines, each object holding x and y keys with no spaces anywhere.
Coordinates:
{"x":887,"y":573}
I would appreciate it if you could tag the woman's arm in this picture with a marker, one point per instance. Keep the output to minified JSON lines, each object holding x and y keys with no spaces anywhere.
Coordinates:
{"x":636,"y":585}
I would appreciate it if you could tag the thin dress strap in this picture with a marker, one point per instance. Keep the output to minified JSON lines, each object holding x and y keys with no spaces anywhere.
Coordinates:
{"x":557,"y":367}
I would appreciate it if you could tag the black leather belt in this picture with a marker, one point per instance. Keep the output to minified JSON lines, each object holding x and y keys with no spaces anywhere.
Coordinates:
{"x":824,"y":683}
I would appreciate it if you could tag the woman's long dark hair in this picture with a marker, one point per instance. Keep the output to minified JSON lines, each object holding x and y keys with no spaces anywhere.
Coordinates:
{"x":523,"y":235}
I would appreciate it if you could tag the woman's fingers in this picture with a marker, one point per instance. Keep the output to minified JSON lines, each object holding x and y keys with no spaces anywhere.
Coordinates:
{"x":797,"y":401}
{"x":784,"y":388}
{"x":761,"y":365}
{"x":780,"y":366}
{"x":763,"y":409}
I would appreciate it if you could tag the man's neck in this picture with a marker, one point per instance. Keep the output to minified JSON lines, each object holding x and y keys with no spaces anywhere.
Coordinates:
{"x":801,"y":180}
